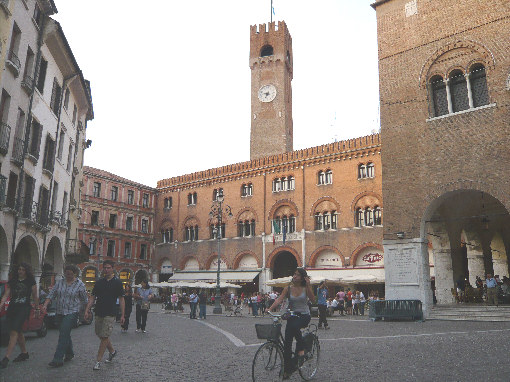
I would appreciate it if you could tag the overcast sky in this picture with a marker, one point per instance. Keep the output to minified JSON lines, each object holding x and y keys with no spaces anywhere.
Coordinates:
{"x":171,"y":79}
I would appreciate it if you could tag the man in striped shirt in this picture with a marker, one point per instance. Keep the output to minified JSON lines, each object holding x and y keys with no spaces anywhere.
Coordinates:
{"x":70,"y":294}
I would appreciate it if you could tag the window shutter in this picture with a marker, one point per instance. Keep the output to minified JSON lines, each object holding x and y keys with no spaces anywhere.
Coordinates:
{"x":53,"y":94}
{"x":43,"y":65}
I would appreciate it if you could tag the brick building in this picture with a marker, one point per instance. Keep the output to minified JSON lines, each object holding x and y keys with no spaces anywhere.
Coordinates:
{"x":325,"y":200}
{"x":117,"y":220}
{"x":444,"y":89}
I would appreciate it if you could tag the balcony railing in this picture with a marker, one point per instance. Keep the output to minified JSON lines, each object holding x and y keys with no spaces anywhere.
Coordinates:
{"x":28,"y":83}
{"x":33,"y":213}
{"x":13,"y":62}
{"x":3,"y":190}
{"x":5,"y":135}
{"x":17,"y":152}
{"x":59,"y":218}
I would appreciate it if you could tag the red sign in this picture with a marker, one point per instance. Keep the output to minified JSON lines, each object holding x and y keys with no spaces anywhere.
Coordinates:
{"x":372,"y":257}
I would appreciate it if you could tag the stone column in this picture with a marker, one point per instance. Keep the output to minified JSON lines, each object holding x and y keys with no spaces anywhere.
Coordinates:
{"x":37,"y":276}
{"x":303,"y":248}
{"x":4,"y":271}
{"x":449,"y":96}
{"x":476,"y":265}
{"x":442,"y":264}
{"x":499,"y":257}
{"x":470,"y":94}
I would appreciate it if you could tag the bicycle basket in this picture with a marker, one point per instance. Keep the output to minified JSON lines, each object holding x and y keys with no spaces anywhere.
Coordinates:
{"x":268,"y":331}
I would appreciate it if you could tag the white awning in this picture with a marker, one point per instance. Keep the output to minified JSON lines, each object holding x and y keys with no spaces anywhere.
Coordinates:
{"x":210,"y":276}
{"x":348,"y":276}
{"x":337,"y":276}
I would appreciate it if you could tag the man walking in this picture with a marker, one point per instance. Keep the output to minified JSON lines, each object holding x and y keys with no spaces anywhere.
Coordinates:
{"x":105,"y":293}
{"x":492,"y":289}
{"x":70,"y":294}
{"x":193,"y":300}
{"x":202,"y":304}
{"x":322,"y":302}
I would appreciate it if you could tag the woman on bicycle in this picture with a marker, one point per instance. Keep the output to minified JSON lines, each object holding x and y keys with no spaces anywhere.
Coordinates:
{"x":297,"y":292}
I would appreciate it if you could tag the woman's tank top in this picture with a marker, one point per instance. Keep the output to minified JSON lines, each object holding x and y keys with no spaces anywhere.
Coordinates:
{"x":299,"y":304}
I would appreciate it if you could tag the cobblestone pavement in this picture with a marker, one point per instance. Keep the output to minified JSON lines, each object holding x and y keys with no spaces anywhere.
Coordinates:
{"x":222,"y":348}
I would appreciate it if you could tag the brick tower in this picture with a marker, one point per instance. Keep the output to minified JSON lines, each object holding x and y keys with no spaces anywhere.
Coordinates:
{"x":271,"y":90}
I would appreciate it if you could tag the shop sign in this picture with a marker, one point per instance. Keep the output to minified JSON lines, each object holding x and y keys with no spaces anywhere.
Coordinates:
{"x":124,"y":275}
{"x":91,"y":273}
{"x":372,"y":258}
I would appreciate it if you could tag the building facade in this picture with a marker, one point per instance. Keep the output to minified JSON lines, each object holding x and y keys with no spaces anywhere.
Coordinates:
{"x":44,"y":108}
{"x":319,"y":208}
{"x":444,"y":89}
{"x":117,"y":223}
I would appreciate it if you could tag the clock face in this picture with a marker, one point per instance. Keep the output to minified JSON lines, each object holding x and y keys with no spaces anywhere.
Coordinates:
{"x":267,"y":93}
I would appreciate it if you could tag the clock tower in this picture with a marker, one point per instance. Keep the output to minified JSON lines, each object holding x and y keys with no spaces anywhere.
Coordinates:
{"x":271,"y":91}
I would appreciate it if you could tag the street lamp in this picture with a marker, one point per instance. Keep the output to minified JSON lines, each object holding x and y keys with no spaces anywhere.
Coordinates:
{"x":217,"y":211}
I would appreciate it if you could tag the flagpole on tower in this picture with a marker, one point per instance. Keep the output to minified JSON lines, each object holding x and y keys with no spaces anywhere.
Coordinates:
{"x":271,"y":10}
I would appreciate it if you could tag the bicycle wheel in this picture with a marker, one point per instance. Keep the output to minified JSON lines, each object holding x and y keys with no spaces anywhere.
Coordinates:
{"x":310,"y":366}
{"x":267,"y":363}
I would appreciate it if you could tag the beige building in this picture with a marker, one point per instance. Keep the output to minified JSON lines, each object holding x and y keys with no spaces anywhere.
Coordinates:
{"x":44,"y":108}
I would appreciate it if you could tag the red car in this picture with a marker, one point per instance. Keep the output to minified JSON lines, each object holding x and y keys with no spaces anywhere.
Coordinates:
{"x":33,"y":324}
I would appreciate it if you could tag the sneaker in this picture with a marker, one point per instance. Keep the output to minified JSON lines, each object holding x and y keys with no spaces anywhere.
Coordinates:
{"x":137,"y":330}
{"x":4,"y":362}
{"x":21,"y":357}
{"x":56,"y":364}
{"x":111,"y":356}
{"x":97,"y":366}
{"x":326,"y":327}
{"x":68,"y":357}
{"x":144,"y":331}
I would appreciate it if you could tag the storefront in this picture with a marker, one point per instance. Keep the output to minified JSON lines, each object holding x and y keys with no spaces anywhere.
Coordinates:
{"x":88,"y":277}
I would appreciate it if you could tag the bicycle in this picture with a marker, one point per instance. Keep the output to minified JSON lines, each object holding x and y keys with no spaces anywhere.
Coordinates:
{"x":268,"y":363}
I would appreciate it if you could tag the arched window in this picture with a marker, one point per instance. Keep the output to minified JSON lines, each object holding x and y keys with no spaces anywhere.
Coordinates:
{"x":252,"y":227}
{"x":217,"y":192}
{"x":277,"y":225}
{"x":369,"y":217}
{"x":276,"y":185}
{"x":360,"y":217}
{"x":377,"y":215}
{"x":458,"y":91}
{"x":370,"y":170}
{"x":327,"y":221}
{"x":329,"y":177}
{"x":292,"y":223}
{"x":334,"y":220}
{"x":247,"y":189}
{"x":214,"y":230}
{"x":439,"y":97}
{"x":192,"y":199}
{"x":168,"y":203}
{"x":318,"y":222}
{"x":291,"y":182}
{"x":362,"y":171}
{"x":267,"y":50}
{"x":320,"y":178}
{"x":285,"y":185}
{"x":478,"y":81}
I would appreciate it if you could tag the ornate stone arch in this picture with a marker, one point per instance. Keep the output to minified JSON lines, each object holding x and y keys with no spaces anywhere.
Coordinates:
{"x":357,"y":251}
{"x":190,"y":219}
{"x":362,"y":195}
{"x":318,"y":251}
{"x":324,"y":199}
{"x":280,"y":203}
{"x":243,"y":210}
{"x":185,"y":259}
{"x":213,"y":256}
{"x":486,"y":57}
{"x":272,"y":256}
{"x":435,"y":196}
{"x":240,"y":255}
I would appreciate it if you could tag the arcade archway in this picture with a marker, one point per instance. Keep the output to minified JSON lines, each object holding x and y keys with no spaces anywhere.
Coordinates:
{"x":27,"y":251}
{"x":53,"y":263}
{"x":469,"y":232}
{"x":284,"y":264}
